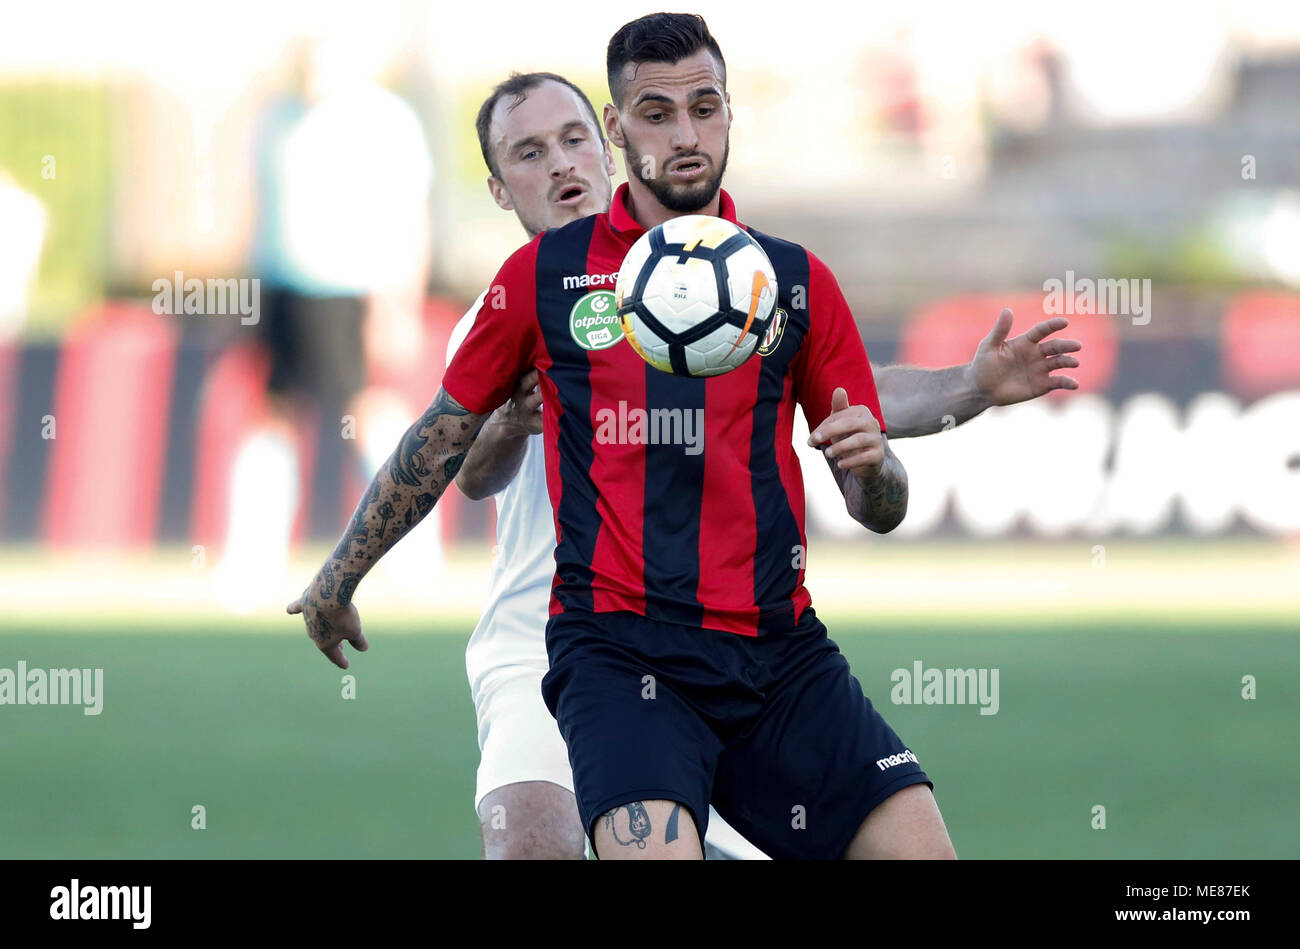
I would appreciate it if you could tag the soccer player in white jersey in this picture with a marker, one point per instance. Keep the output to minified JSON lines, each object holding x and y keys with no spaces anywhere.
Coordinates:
{"x":550,"y":164}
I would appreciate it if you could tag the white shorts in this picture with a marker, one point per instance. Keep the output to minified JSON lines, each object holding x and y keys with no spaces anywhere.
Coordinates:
{"x":505,"y":661}
{"x":517,"y":735}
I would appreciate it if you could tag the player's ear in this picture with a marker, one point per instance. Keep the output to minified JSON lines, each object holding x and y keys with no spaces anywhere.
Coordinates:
{"x":611,"y":169}
{"x":612,"y":130}
{"x":499,"y":194}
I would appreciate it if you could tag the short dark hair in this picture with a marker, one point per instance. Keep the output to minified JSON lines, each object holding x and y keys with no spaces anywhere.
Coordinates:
{"x":517,"y":86}
{"x":658,"y":38}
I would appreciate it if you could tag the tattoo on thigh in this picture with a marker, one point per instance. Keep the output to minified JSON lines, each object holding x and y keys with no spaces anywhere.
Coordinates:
{"x":638,"y":823}
{"x":670,"y":832}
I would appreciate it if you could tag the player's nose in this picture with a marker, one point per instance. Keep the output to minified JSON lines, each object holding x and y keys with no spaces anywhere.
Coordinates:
{"x":684,"y":136}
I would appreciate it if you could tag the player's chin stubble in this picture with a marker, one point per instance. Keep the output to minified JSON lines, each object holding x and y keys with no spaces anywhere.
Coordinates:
{"x":682,"y":199}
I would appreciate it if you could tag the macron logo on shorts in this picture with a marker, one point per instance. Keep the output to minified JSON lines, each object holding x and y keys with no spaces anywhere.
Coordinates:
{"x":883,"y":763}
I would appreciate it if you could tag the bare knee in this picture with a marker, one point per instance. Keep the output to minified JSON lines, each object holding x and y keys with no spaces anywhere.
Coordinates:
{"x":905,"y":826}
{"x":531,"y":820}
{"x":648,"y":830}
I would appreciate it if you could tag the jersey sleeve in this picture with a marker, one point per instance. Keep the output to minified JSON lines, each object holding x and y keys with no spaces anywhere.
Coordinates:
{"x":502,"y":340}
{"x":832,"y":355}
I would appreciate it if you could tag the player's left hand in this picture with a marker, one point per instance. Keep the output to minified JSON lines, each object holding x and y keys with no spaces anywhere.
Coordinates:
{"x":1007,"y":371}
{"x":856,"y":443}
{"x":523,"y":413}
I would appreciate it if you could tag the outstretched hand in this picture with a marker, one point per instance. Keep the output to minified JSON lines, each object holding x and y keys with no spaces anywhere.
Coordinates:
{"x":329,"y":623}
{"x":1007,"y":371}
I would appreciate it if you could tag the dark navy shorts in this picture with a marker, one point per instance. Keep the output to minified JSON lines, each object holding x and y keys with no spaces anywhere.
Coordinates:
{"x":773,"y":730}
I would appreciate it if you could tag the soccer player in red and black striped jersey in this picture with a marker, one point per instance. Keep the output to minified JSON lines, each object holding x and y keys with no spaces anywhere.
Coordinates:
{"x":686,"y":661}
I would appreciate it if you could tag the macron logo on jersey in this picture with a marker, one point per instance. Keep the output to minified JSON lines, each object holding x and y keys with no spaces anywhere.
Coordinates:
{"x":883,"y":763}
{"x":590,"y":280}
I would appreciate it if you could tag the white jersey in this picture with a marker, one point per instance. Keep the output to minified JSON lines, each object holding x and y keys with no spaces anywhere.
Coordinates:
{"x":512,"y":628}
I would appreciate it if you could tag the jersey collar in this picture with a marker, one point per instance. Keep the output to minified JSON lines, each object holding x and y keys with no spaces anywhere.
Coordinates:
{"x":621,"y":220}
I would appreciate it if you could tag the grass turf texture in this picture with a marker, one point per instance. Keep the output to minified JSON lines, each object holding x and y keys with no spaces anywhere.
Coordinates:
{"x":1145,"y":718}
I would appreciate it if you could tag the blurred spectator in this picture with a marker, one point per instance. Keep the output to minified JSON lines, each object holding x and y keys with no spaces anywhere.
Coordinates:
{"x":341,"y":247}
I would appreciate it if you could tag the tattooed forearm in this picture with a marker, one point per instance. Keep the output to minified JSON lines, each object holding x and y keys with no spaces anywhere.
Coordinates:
{"x":386,"y":513}
{"x":411,"y":463}
{"x":348,"y":586}
{"x":879,"y":503}
{"x":354,"y":531}
{"x":358,"y":533}
{"x":452,"y":466}
{"x":410,"y":482}
{"x":418,"y":507}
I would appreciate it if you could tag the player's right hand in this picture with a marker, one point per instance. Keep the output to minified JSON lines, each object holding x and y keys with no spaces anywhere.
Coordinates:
{"x":524,"y":410}
{"x":329,"y":623}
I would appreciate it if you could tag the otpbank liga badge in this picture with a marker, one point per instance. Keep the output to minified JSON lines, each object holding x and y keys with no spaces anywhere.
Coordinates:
{"x":593,"y":321}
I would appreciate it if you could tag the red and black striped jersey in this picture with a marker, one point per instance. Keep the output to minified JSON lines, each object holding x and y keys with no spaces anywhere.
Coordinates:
{"x":677,"y":498}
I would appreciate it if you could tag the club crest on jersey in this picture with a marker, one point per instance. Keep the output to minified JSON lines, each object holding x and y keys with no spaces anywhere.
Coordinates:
{"x":593,"y":321}
{"x":775,"y":329}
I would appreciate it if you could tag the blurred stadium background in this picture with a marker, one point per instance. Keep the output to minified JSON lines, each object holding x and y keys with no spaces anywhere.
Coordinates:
{"x":1124,"y":555}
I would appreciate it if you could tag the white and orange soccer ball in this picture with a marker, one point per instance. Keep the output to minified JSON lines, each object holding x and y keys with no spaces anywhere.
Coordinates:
{"x":695,"y":296}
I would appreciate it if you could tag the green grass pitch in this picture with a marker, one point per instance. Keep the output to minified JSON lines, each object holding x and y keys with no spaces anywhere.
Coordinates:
{"x":1145,"y":719}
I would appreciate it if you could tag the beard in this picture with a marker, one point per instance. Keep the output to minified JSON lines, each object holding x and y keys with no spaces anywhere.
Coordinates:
{"x":682,"y":198}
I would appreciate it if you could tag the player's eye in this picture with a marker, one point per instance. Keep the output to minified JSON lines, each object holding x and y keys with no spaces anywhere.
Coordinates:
{"x":655,"y":116}
{"x":705,"y":111}
{"x":530,"y":154}
{"x":575,"y":140}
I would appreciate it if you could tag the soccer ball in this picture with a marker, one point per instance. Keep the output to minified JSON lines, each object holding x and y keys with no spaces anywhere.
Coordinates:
{"x":695,"y":296}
